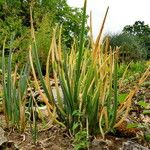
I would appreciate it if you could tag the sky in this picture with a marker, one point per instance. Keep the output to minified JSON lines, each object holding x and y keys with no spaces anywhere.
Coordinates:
{"x":121,"y":13}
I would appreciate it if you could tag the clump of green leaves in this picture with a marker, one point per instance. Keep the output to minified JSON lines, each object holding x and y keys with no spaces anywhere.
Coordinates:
{"x":80,"y":140}
{"x":14,"y":92}
{"x":86,"y":79}
{"x":86,"y":84}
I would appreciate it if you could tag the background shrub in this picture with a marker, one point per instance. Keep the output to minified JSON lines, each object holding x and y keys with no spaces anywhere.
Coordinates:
{"x":130,"y":47}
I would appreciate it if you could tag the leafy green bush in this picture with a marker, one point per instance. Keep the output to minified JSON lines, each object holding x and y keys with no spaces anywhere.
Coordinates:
{"x":137,"y":67}
{"x":132,"y":68}
{"x":80,"y":140}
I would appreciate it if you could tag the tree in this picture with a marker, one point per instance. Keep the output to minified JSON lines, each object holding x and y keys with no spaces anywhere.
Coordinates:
{"x":58,"y":11}
{"x":142,"y":31}
{"x":15,"y":18}
{"x":130,"y":47}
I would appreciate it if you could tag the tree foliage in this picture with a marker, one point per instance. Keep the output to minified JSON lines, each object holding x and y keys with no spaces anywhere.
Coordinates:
{"x":130,"y":47}
{"x":15,"y":17}
{"x":134,"y":41}
{"x":142,"y":31}
{"x":47,"y":14}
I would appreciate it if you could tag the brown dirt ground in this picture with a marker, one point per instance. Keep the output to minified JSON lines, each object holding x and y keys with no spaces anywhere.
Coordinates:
{"x":54,"y":138}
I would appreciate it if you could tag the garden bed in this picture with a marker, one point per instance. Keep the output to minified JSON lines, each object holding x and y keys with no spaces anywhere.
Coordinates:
{"x":58,"y":138}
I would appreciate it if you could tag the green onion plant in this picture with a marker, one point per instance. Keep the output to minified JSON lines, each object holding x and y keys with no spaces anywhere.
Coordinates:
{"x":86,"y":83}
{"x":14,"y":91}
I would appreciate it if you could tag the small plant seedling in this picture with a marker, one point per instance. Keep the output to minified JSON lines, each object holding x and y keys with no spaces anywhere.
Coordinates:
{"x":80,"y":140}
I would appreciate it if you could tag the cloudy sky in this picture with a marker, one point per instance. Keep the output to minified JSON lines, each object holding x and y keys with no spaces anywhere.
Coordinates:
{"x":121,"y":13}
